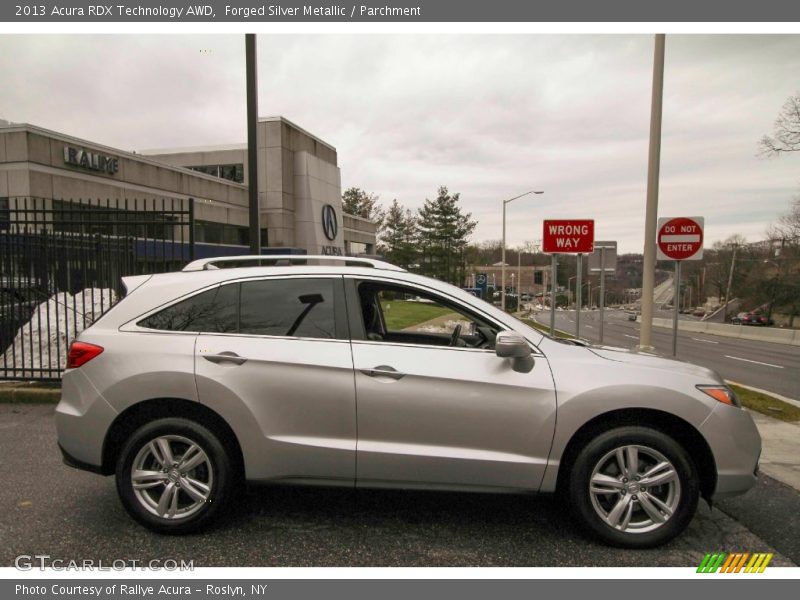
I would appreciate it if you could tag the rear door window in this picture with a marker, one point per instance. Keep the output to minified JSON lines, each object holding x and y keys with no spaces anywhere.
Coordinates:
{"x":289,"y":308}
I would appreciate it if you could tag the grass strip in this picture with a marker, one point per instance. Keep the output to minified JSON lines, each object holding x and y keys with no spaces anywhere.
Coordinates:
{"x":545,"y":329}
{"x":767,"y":405}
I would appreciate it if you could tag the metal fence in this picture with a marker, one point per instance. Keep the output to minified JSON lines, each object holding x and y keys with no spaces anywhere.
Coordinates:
{"x":60,"y":267}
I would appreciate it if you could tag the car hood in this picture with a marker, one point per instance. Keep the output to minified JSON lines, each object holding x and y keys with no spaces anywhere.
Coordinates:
{"x":653,"y":361}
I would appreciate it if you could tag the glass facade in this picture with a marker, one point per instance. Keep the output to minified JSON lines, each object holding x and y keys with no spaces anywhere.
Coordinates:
{"x":221,"y":233}
{"x":230,"y":172}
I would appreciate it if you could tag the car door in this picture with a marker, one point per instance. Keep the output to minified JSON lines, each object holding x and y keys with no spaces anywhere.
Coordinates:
{"x":435,"y":415}
{"x":283,"y":373}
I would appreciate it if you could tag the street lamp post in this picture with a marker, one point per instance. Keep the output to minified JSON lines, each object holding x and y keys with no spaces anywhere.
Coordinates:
{"x":503,"y":260}
{"x":569,"y":288}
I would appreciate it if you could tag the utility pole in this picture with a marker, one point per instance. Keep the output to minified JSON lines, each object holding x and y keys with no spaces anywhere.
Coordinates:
{"x":651,"y":214}
{"x":252,"y":142}
{"x":728,"y":288}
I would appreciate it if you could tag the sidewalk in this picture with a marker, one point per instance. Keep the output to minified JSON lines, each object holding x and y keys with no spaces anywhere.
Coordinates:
{"x":780,"y":454}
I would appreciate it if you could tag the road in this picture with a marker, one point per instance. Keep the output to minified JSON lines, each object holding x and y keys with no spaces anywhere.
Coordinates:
{"x":765,"y":365}
{"x":48,"y":508}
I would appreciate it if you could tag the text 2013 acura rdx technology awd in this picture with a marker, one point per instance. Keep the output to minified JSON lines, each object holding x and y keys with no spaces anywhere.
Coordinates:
{"x":362,"y":374}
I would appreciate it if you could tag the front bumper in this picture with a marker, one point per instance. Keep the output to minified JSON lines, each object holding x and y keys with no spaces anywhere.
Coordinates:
{"x":736,"y":445}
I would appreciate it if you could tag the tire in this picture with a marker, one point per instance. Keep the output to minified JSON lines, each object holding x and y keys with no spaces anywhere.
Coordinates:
{"x":643,"y":519}
{"x":174,"y":499}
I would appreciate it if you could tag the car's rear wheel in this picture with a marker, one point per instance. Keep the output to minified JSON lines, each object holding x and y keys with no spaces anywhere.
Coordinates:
{"x":174,"y":475}
{"x":634,"y":487}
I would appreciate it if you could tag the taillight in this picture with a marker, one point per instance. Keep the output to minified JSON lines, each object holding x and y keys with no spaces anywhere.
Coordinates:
{"x":80,"y":353}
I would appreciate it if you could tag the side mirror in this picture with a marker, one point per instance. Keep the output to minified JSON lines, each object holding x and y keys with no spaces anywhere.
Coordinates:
{"x":510,"y":344}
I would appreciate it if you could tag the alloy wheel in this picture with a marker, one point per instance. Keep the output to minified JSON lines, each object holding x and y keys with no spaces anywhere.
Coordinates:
{"x":172,"y":477}
{"x":635,"y":489}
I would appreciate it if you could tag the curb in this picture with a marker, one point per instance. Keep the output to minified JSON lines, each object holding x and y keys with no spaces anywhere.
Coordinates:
{"x":28,"y":394}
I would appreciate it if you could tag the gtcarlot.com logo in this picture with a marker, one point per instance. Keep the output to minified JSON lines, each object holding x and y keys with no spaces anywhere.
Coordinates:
{"x":734,"y":562}
{"x":28,"y":562}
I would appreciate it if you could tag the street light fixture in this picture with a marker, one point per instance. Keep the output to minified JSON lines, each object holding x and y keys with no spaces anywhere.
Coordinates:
{"x":503,"y":260}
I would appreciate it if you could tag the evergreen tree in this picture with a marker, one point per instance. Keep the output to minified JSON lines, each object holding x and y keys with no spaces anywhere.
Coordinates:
{"x":356,"y":201}
{"x":443,"y":234}
{"x":398,"y":239}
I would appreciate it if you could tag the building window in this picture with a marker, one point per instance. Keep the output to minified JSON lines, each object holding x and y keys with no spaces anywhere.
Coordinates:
{"x":77,"y":217}
{"x":5,"y":214}
{"x":221,"y":233}
{"x":230,"y":172}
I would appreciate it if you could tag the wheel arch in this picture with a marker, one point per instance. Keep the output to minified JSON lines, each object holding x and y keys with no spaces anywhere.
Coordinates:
{"x":680,"y":430}
{"x":145,"y":411}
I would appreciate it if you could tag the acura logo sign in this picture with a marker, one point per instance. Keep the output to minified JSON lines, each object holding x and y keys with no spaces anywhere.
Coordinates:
{"x":330,"y":226}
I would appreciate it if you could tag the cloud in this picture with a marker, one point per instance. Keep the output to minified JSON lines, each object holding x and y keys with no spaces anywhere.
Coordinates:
{"x":489,"y":116}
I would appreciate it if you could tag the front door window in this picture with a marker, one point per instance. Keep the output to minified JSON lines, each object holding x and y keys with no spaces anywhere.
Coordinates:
{"x":397,"y":314}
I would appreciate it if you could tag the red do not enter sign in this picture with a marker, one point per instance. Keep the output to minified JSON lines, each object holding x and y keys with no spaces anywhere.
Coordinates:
{"x":680,"y":238}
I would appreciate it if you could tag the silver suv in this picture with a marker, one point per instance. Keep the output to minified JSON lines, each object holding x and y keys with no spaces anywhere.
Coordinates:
{"x":360,"y":374}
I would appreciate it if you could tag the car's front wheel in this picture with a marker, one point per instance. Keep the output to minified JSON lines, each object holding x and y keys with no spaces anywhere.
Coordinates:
{"x":173,"y":475}
{"x":634,"y":487}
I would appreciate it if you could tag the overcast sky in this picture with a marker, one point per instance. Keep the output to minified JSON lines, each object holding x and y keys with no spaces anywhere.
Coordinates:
{"x":488,"y":116}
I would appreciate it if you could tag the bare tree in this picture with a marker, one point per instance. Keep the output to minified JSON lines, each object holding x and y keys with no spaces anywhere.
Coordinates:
{"x":786,"y":134}
{"x":787,"y":228}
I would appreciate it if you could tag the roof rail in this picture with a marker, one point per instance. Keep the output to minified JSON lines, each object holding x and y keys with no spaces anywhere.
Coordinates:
{"x":285,"y":260}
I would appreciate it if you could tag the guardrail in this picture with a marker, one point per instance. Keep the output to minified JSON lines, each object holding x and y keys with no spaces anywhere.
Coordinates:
{"x":745,"y":332}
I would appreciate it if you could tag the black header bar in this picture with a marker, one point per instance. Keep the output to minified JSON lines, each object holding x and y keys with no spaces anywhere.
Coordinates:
{"x":402,"y":11}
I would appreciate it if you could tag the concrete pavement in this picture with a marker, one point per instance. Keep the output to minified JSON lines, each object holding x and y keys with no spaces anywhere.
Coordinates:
{"x":780,"y":454}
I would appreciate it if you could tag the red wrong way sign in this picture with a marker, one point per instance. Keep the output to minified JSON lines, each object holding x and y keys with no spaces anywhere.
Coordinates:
{"x":568,"y":236}
{"x":680,"y":238}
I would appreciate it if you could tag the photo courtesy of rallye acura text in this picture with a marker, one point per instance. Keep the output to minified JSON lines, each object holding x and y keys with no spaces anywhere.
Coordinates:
{"x":360,"y":374}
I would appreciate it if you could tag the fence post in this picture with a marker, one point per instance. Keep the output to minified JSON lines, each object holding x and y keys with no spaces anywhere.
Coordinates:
{"x":191,"y":229}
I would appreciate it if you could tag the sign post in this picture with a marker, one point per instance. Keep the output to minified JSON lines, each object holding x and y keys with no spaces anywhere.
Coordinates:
{"x":604,"y":259}
{"x":578,"y":295}
{"x":679,"y":239}
{"x":554,"y":269}
{"x":565,"y":237}
{"x":481,"y":282}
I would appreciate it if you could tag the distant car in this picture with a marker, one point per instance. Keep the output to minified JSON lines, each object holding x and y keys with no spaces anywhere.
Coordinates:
{"x":751,"y":318}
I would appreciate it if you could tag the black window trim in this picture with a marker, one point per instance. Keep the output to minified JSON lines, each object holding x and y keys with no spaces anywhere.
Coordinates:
{"x":341,"y":325}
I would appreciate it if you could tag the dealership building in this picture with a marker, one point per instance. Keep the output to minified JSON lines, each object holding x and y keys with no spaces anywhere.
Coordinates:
{"x":299,"y":185}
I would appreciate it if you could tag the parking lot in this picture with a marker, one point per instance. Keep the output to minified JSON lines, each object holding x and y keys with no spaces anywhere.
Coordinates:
{"x":48,"y":508}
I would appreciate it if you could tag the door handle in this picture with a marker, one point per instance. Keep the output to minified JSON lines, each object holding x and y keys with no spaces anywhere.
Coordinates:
{"x":383,"y":371}
{"x":225,"y":357}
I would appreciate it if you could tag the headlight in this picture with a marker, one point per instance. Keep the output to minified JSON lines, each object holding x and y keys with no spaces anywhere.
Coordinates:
{"x":720,"y":393}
